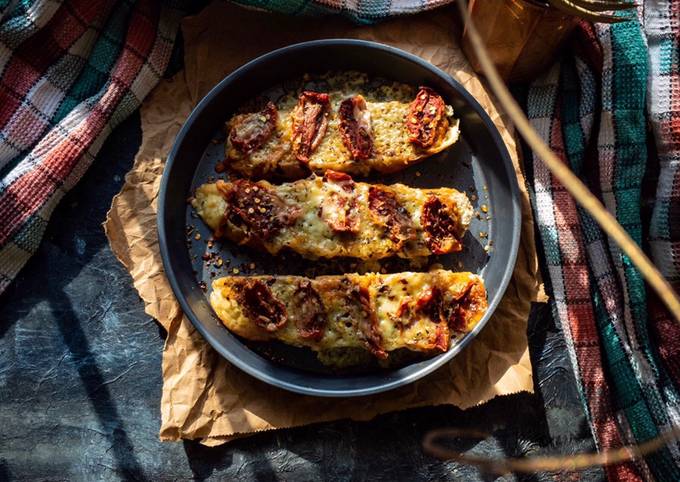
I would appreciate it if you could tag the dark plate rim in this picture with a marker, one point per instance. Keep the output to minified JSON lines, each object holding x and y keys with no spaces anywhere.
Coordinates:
{"x":435,"y":362}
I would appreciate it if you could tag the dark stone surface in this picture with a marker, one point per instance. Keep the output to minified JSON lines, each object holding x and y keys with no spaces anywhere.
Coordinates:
{"x":80,"y":381}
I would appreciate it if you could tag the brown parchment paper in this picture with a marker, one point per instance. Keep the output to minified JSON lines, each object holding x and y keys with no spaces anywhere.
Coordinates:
{"x":206,"y":398}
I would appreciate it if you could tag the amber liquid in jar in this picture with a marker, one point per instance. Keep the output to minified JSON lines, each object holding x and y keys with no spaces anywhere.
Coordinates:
{"x":521,"y":36}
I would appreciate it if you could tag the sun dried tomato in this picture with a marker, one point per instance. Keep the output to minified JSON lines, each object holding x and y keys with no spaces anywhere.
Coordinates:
{"x":355,"y":127}
{"x":430,"y":304}
{"x":250,"y":131}
{"x":256,"y":207}
{"x":385,"y":208}
{"x":310,"y":120}
{"x":433,"y":305}
{"x":453,"y":311}
{"x":340,"y":178}
{"x":311,"y":317}
{"x":441,"y":227}
{"x":261,"y":306}
{"x":469,"y":303}
{"x":442,"y":337}
{"x":339,"y":206}
{"x":368,"y":323}
{"x":424,"y":116}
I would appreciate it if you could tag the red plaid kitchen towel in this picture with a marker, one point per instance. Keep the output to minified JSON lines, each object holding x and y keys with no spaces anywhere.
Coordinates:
{"x":70,"y":71}
{"x":663,"y":106}
{"x":593,"y":108}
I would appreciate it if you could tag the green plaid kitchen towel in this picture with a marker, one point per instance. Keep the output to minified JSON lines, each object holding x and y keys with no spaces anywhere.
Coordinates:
{"x":592,"y":109}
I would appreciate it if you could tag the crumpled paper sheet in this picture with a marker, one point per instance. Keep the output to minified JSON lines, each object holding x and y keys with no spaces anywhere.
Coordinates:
{"x":206,"y":398}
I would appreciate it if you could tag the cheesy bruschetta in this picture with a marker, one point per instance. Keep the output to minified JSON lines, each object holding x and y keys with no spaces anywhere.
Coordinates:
{"x":333,"y":216}
{"x":345,"y":123}
{"x":380,"y":313}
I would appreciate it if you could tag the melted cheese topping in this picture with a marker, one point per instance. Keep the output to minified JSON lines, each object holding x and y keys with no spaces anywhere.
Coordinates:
{"x":410,"y":328}
{"x":210,"y":205}
{"x":312,"y":237}
{"x":388,"y":105}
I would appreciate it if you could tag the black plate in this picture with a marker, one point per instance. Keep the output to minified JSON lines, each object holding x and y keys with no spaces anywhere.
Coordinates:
{"x":479,"y":164}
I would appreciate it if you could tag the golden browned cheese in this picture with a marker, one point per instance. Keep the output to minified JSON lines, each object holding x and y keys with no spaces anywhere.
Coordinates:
{"x":336,"y":217}
{"x":386,"y":110}
{"x":378,"y":313}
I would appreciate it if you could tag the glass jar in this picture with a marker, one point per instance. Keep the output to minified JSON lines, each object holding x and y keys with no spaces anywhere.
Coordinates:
{"x":521,"y":36}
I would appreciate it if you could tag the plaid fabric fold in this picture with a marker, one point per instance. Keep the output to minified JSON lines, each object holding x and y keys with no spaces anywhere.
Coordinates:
{"x":662,"y":26}
{"x":361,"y":11}
{"x":591,"y":109}
{"x":70,"y":71}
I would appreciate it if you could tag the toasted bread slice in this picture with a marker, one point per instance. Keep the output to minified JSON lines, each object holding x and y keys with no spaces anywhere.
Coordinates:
{"x":334,"y":216}
{"x":352,"y":127}
{"x":378,"y":313}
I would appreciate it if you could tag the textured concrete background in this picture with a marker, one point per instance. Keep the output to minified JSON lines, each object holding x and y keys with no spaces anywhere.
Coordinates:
{"x":80,"y":381}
